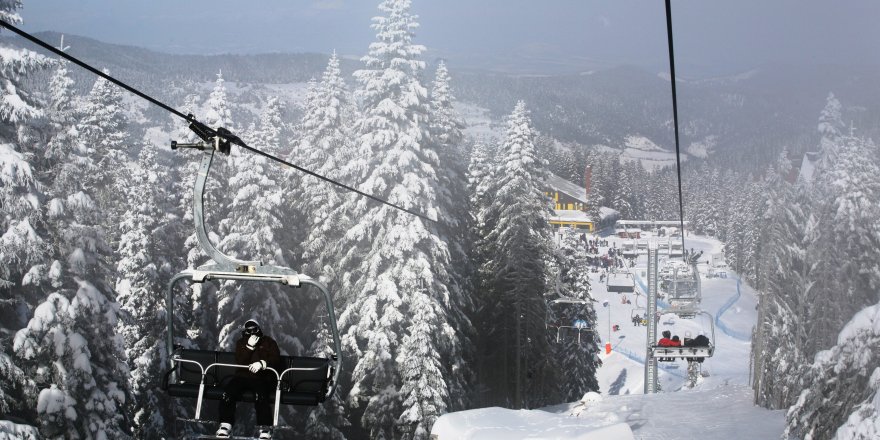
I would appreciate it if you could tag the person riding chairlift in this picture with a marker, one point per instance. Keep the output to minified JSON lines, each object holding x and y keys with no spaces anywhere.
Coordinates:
{"x":258,"y":352}
{"x":666,"y":342}
{"x":700,"y":341}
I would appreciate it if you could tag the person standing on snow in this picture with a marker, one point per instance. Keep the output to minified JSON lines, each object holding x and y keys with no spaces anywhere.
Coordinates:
{"x":258,"y":352}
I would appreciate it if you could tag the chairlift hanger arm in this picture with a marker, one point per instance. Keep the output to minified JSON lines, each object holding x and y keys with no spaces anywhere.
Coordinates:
{"x":220,"y":138}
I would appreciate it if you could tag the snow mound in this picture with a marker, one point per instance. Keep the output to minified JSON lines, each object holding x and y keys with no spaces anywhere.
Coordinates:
{"x":591,"y":397}
{"x":507,"y":424}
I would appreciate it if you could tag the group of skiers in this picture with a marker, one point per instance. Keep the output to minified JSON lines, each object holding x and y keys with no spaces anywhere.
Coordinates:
{"x":673,"y":341}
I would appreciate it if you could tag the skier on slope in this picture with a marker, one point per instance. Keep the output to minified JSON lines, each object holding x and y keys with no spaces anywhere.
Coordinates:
{"x":258,"y":352}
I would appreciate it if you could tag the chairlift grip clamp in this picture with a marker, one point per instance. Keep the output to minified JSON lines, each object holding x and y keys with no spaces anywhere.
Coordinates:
{"x":219,"y":140}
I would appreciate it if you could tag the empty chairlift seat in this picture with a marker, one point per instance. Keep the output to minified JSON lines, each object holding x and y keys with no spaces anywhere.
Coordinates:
{"x":305,"y":380}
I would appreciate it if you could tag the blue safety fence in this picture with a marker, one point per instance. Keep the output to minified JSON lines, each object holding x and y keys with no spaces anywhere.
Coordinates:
{"x":736,"y":334}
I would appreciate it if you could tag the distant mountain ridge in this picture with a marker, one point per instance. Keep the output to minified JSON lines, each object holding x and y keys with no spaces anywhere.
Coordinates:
{"x":746,"y":118}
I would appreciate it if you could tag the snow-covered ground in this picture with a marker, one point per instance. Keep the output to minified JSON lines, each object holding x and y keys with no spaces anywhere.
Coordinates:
{"x":719,"y":407}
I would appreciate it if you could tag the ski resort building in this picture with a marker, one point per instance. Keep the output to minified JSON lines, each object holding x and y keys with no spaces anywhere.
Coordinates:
{"x":570,"y":206}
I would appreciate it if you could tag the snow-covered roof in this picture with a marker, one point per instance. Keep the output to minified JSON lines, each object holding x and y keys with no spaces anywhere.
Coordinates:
{"x":570,"y":215}
{"x":573,"y":215}
{"x":651,"y":223}
{"x":558,"y":183}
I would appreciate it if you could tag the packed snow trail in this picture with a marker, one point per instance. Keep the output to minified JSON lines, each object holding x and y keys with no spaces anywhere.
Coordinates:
{"x":641,"y":360}
{"x":723,"y":413}
{"x":719,"y":408}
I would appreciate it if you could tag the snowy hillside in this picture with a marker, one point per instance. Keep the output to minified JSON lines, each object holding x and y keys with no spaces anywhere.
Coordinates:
{"x":719,"y":407}
{"x":651,"y":155}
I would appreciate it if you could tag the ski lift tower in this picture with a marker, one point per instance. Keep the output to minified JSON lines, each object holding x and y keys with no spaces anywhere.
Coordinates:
{"x":651,"y":383}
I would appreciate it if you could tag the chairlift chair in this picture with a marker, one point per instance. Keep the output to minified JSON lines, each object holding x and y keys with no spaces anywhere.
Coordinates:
{"x":628,"y":249}
{"x":578,"y":325}
{"x":689,"y":353}
{"x":681,"y":284}
{"x":201,"y":374}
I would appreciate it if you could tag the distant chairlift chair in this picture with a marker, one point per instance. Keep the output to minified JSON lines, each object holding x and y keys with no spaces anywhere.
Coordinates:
{"x":577,"y":325}
{"x":620,"y":282}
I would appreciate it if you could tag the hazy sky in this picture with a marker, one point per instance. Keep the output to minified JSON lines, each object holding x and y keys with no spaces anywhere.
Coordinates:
{"x":711,"y":36}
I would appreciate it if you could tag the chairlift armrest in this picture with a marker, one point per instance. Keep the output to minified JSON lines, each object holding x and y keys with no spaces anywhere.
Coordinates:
{"x":168,"y":375}
{"x":220,"y":364}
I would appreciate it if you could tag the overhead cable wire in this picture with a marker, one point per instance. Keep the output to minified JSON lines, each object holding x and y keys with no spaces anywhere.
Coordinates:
{"x":193,"y":121}
{"x":675,"y":118}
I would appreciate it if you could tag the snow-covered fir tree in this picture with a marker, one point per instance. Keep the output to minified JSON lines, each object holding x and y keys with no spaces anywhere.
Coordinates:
{"x":103,"y":130}
{"x":480,"y":179}
{"x":446,"y":132}
{"x":72,"y":346}
{"x":514,"y":272}
{"x":848,"y":241}
{"x":325,"y":148}
{"x":140,"y":284}
{"x":396,"y":267}
{"x":25,"y":254}
{"x":780,"y":337}
{"x":840,"y":399}
{"x":831,"y":128}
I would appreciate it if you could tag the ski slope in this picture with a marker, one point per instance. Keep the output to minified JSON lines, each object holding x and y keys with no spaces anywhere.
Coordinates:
{"x":719,"y":407}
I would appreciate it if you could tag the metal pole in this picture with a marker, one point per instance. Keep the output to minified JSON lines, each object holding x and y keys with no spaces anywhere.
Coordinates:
{"x":608,"y":341}
{"x":518,"y":396}
{"x":651,"y":312}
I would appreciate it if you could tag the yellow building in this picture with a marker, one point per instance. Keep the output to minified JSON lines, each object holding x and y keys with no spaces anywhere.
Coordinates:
{"x":569,"y":203}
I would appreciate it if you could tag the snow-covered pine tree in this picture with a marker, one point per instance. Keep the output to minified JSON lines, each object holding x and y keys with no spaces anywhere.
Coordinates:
{"x":743,"y":237}
{"x":846,"y":246}
{"x":623,"y":196}
{"x":480,"y":179}
{"x":325,"y":147}
{"x":841,"y":399}
{"x":25,"y":259}
{"x":831,"y":128}
{"x":71,"y":342}
{"x":103,"y":131}
{"x":72,"y":345}
{"x":140,"y":285}
{"x":446,"y":131}
{"x":515,"y":269}
{"x":396,"y":267}
{"x":780,"y":334}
